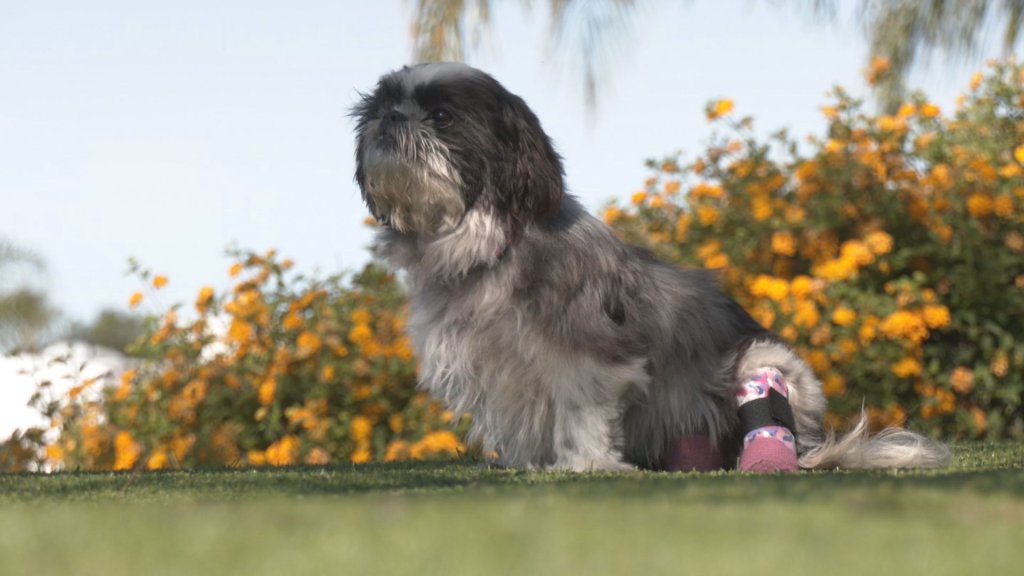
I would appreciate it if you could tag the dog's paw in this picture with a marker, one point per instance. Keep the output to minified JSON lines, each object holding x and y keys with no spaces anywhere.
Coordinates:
{"x":584,"y":464}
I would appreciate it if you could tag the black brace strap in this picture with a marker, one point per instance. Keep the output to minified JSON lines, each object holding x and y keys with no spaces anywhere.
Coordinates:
{"x":773,"y":410}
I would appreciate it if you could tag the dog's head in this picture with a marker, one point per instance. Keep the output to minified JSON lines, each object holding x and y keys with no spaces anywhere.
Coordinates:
{"x":435,"y":141}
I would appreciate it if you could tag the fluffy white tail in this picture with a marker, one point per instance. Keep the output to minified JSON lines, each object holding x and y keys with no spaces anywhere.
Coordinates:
{"x":890,"y":448}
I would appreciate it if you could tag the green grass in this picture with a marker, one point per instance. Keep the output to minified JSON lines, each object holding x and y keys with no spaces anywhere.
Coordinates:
{"x":460,"y":518}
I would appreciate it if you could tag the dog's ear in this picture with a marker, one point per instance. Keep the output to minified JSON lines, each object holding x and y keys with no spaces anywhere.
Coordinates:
{"x":529,"y":172}
{"x":362,"y":112}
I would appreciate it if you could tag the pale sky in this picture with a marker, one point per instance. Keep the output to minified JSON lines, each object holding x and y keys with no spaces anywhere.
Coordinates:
{"x":167,"y":131}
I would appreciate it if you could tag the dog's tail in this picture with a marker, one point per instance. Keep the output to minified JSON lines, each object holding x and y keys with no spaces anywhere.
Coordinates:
{"x":858,"y":449}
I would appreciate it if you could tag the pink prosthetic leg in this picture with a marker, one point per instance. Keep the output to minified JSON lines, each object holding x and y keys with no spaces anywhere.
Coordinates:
{"x":769,"y":444}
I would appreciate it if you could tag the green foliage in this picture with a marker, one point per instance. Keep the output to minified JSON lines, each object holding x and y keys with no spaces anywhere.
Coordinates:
{"x":24,"y":311}
{"x":113,"y":329}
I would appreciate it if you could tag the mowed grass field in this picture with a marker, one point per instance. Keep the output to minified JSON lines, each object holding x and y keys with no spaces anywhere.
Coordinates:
{"x":462,"y":518}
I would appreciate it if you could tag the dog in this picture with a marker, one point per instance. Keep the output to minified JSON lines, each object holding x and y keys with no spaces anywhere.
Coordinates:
{"x":569,"y":348}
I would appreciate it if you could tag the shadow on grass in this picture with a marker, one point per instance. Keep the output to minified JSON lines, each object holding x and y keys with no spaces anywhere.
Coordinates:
{"x":978,"y":468}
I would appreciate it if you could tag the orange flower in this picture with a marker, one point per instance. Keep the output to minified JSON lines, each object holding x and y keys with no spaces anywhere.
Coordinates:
{"x":801,"y":286}
{"x":717,"y":261}
{"x":240,"y":331}
{"x":929,"y":110}
{"x":761,"y":208}
{"x":783,"y":243}
{"x":361,"y":454}
{"x":879,"y":242}
{"x":1003,"y":206}
{"x":159,"y":281}
{"x":962,"y":380}
{"x":308,"y":343}
{"x":157,"y":460}
{"x":235,"y":269}
{"x":283,"y":452}
{"x":360,"y":428}
{"x":291,"y":321}
{"x":135,"y":300}
{"x":317,"y":457}
{"x":267,"y":391}
{"x":397,"y":451}
{"x":256,"y":457}
{"x":980,"y":204}
{"x":327,"y":373}
{"x":360,"y":334}
{"x":126,"y":451}
{"x":396,"y":423}
{"x":980,"y":419}
{"x":906,"y":368}
{"x":705,"y":190}
{"x":203,"y":300}
{"x":833,"y":385}
{"x":906,"y":325}
{"x":360,"y":316}
{"x":976,"y":79}
{"x":611,"y":215}
{"x":843,"y":316}
{"x":890,"y":124}
{"x":437,"y":443}
{"x":936,"y":316}
{"x":807,"y":314}
{"x":834,"y":146}
{"x":720,"y":108}
{"x":877,"y":69}
{"x":707,"y":215}
{"x":55,"y":454}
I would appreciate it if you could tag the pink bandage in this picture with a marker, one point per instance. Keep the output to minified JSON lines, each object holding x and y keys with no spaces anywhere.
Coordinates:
{"x":768,"y":448}
{"x":691,"y":454}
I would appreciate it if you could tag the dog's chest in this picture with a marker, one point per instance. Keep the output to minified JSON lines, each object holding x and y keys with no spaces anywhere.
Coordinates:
{"x":463,"y":337}
{"x":485,"y":354}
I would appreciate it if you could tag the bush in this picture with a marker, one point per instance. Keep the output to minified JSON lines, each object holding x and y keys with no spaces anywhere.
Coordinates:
{"x":282,"y":369}
{"x":891,"y":253}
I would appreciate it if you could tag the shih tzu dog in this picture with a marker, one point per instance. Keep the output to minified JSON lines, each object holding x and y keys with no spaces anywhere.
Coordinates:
{"x":569,"y":348}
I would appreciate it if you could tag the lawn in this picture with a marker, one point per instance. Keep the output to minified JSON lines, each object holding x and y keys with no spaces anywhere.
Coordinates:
{"x":434,"y":518}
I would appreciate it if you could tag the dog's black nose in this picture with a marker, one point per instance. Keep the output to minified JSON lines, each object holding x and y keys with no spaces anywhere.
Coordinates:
{"x":393,"y":117}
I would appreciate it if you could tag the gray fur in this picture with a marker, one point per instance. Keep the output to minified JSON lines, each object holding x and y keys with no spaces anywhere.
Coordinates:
{"x":569,"y":348}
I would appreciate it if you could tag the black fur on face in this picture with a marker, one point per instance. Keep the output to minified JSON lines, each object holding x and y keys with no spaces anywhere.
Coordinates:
{"x":456,"y":131}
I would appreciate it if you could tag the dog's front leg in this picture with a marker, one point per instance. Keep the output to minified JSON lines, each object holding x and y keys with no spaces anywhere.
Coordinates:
{"x":585,"y":438}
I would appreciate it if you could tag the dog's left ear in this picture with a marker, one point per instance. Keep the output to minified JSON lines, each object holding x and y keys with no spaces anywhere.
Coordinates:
{"x":529,"y":172}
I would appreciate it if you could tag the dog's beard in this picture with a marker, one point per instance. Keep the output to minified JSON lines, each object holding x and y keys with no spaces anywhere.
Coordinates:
{"x":413,"y":185}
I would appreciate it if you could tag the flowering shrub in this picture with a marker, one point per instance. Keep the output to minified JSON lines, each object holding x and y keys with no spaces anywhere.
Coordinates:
{"x":279,"y":370}
{"x":891,"y":252}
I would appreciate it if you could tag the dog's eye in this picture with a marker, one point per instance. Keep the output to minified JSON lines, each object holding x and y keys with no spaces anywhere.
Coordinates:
{"x":441,"y":117}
